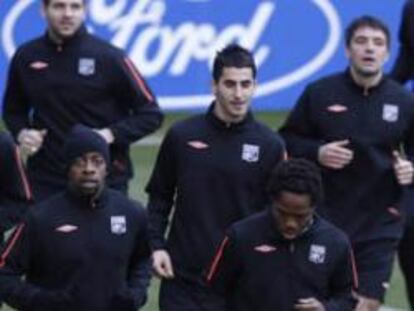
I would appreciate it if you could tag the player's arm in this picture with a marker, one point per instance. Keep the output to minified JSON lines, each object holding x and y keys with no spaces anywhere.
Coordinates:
{"x":133,"y":94}
{"x":15,"y":190}
{"x":134,"y":292}
{"x":16,"y":259}
{"x":403,"y":157}
{"x":343,"y":281}
{"x":225,"y":268}
{"x":161,"y":190}
{"x":16,"y":106}
{"x":298,"y":130}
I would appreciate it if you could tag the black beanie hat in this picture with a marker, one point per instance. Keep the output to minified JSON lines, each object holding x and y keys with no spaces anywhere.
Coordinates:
{"x":82,"y":139}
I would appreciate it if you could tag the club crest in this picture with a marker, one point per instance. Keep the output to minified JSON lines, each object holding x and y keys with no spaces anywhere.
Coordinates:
{"x":317,"y":254}
{"x":390,"y":113}
{"x":86,"y":66}
{"x":118,"y":224}
{"x":250,"y":153}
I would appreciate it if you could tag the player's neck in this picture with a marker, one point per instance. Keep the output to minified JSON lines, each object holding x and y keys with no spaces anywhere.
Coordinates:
{"x":365,"y":81}
{"x":226,"y":117}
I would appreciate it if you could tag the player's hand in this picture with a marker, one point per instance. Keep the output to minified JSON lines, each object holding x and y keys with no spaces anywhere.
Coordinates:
{"x":106,"y":134}
{"x":309,"y":304}
{"x":335,"y":155}
{"x":367,"y":304}
{"x":403,"y":169}
{"x":162,"y":265}
{"x":31,"y":140}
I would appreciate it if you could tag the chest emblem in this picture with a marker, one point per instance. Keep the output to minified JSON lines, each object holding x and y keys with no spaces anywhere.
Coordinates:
{"x":265,"y":248}
{"x":337,"y":108}
{"x":317,"y":254}
{"x":197,"y":144}
{"x":390,"y":113}
{"x":118,"y":224}
{"x":86,"y":66}
{"x":38,"y":65}
{"x":250,"y":153}
{"x":66,"y":228}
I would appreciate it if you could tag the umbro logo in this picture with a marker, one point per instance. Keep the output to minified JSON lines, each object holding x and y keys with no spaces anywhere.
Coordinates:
{"x":197,"y":144}
{"x":39,"y":65}
{"x":265,"y":248}
{"x":337,"y":108}
{"x":394,"y":211}
{"x":66,"y":228}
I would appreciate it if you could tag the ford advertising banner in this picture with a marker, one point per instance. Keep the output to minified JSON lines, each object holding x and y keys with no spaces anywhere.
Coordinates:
{"x":173,"y":42}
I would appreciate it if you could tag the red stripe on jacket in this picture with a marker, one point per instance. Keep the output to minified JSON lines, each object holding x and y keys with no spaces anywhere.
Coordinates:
{"x":217,"y":259}
{"x":354,"y":270}
{"x":11,"y":244}
{"x":137,"y":77}
{"x":27,"y":190}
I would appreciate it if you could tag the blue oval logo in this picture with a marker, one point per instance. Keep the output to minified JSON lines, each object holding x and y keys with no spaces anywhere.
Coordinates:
{"x":173,"y":42}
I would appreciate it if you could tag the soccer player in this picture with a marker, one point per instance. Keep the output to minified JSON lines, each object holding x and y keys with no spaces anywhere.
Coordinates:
{"x":85,"y":248}
{"x":211,"y":170}
{"x":353,"y":124}
{"x":69,"y":76}
{"x":286,"y":257}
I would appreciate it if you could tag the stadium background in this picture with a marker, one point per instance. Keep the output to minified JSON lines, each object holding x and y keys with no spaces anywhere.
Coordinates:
{"x":173,"y":42}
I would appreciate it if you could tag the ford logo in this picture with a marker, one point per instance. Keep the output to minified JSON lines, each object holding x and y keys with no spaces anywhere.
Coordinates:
{"x":173,"y":42}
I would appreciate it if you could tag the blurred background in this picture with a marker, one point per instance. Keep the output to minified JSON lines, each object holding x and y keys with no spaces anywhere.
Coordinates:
{"x":173,"y":42}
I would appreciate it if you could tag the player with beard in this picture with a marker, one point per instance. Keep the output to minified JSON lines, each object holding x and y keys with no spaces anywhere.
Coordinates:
{"x":358,"y":125}
{"x":67,"y":77}
{"x":211,"y":171}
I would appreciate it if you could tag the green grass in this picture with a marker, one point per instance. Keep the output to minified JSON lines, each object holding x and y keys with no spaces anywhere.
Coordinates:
{"x":144,"y":156}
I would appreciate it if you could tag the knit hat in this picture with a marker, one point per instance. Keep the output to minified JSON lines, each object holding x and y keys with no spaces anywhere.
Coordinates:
{"x":82,"y":139}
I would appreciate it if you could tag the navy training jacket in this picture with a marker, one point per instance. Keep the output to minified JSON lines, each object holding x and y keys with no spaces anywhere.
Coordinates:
{"x":91,"y":251}
{"x":363,"y":198}
{"x":213,"y":174}
{"x":15,"y":190}
{"x":257,"y":269}
{"x":85,"y":80}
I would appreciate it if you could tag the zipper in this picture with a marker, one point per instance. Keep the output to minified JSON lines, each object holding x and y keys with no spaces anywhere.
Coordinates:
{"x":292,"y":247}
{"x":291,"y":251}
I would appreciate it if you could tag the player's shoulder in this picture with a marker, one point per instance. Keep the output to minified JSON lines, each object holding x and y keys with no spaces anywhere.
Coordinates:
{"x":30,"y":46}
{"x":251,"y":224}
{"x":327,"y":82}
{"x":398,"y":90}
{"x":6,"y":141}
{"x":192,"y":124}
{"x":101,"y":47}
{"x":266,"y":132}
{"x":122,"y":202}
{"x":330,"y":233}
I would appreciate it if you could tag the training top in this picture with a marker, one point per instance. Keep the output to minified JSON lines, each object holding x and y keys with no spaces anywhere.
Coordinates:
{"x":15,"y":191}
{"x":90,"y":250}
{"x":363,"y":197}
{"x":213,"y":174}
{"x":84,"y":80}
{"x":256,"y":268}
